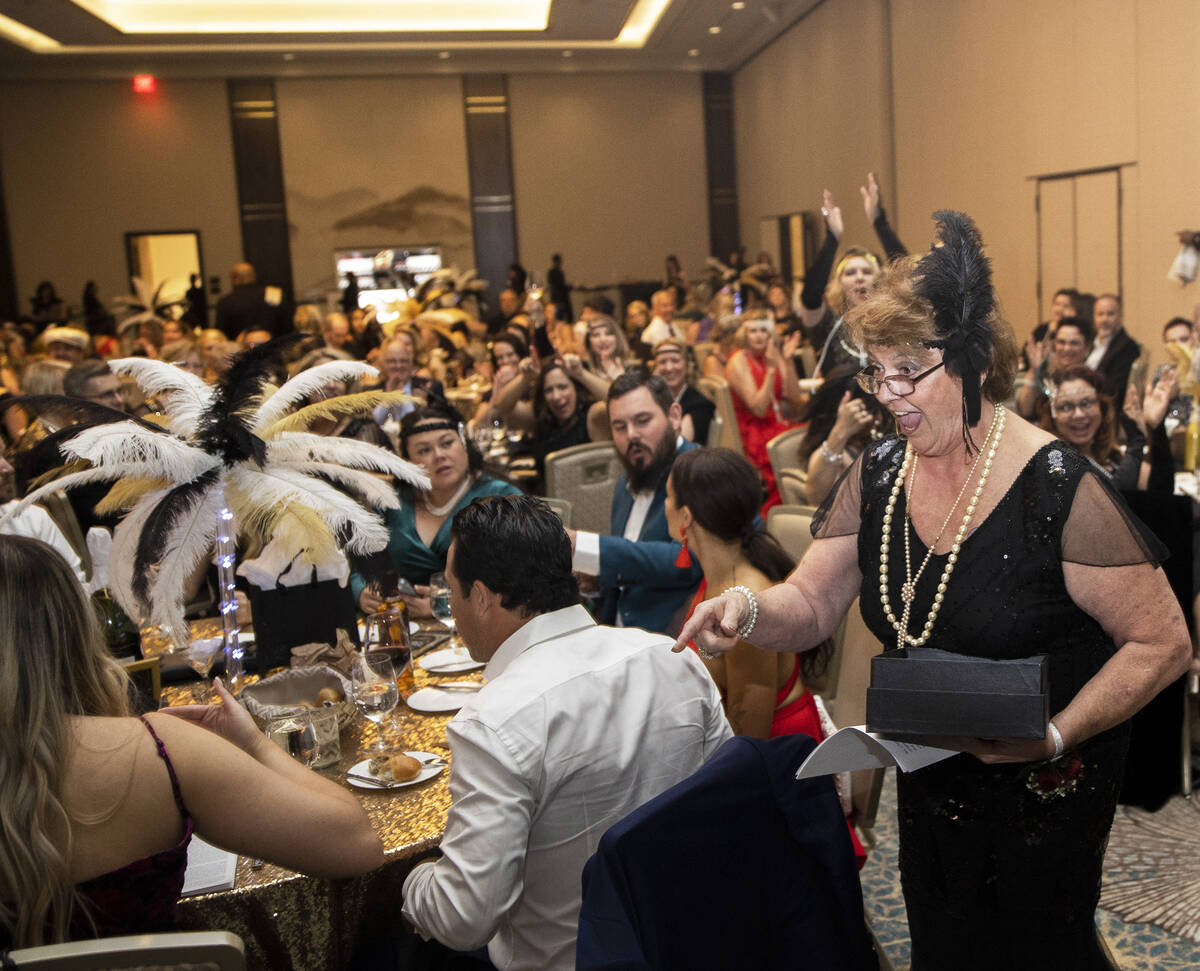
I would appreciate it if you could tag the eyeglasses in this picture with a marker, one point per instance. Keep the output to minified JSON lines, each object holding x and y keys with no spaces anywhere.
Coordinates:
{"x":1067,"y":407}
{"x":872,"y":380}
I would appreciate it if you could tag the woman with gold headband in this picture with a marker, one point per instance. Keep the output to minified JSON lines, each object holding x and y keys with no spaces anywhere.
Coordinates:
{"x":977,"y":533}
{"x":823,"y":307}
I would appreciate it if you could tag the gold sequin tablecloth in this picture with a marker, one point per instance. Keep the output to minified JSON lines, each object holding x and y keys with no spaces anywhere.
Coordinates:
{"x":290,"y":921}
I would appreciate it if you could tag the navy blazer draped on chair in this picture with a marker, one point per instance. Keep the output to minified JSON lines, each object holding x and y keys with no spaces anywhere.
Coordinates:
{"x":738,"y":866}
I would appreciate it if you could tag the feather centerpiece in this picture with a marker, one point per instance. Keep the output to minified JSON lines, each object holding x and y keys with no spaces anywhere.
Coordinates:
{"x":231,"y":460}
{"x":956,"y":278}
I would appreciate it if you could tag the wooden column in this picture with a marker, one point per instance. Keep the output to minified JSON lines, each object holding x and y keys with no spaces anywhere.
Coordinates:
{"x":724,"y":232}
{"x":9,"y":301}
{"x":489,"y":164}
{"x":258,"y":165}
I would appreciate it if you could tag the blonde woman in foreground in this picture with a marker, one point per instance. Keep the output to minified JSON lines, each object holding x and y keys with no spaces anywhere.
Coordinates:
{"x":98,"y":807}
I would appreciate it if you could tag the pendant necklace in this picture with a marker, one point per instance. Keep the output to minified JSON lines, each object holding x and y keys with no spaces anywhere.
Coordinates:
{"x":908,"y":591}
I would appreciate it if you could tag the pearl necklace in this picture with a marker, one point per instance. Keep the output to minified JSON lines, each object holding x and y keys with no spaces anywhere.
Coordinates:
{"x":909,"y":590}
{"x":439,"y":511}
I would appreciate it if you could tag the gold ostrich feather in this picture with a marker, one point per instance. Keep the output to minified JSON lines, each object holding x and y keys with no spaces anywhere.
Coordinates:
{"x":333,"y":409}
{"x":125,"y":493}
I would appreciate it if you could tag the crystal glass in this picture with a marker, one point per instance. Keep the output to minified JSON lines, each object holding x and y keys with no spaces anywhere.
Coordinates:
{"x":375,"y":691}
{"x":200,"y":657}
{"x":439,"y":599}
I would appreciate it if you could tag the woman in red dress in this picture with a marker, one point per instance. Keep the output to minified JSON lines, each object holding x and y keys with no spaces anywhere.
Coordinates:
{"x":712,"y":499}
{"x":761,"y":376}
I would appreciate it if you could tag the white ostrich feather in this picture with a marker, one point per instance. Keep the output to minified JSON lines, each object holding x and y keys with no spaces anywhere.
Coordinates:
{"x":190,"y":541}
{"x":124,"y":551}
{"x":127,"y":448}
{"x":294,"y":447}
{"x":304,"y":385}
{"x":713,"y":263}
{"x":261,"y":495}
{"x":368,"y":488}
{"x":69,"y":481}
{"x":185,"y":396}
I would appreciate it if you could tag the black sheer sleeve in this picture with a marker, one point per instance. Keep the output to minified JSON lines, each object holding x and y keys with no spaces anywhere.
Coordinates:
{"x":1101,"y":531}
{"x":887,"y":237}
{"x":816,"y":278}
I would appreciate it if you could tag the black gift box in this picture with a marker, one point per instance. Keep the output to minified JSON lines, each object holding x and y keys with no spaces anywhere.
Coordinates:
{"x":924,"y":691}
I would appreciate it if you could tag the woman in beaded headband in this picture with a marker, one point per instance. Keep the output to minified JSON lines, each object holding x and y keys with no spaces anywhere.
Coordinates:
{"x":980,"y":535}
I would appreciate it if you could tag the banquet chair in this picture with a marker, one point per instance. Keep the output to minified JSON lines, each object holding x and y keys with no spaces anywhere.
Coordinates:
{"x":791,"y":526}
{"x":716,"y":390}
{"x":700,"y":351}
{"x":783,"y":451}
{"x":846,"y":699}
{"x":781,"y":842}
{"x":562,"y":509}
{"x":716,"y":429}
{"x":793,"y":487}
{"x":585,"y":475}
{"x":190,"y":950}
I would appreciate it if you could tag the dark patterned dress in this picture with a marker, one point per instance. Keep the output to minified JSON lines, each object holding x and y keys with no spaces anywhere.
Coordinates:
{"x":1001,"y":864}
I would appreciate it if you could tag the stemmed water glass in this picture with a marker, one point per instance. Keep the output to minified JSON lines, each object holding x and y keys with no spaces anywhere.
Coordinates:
{"x":439,"y":599}
{"x":373,"y":678}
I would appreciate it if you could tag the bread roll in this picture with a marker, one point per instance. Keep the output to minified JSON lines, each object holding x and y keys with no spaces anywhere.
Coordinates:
{"x":395,"y":768}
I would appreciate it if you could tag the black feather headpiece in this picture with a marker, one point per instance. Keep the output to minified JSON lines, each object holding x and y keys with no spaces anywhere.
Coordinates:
{"x":956,"y":278}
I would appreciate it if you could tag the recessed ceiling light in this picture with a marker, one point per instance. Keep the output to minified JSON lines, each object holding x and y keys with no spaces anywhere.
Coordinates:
{"x":568,"y":53}
{"x":444,"y":55}
{"x":694,"y":52}
{"x":738,"y":5}
{"x":714,"y":29}
{"x":289,"y":57}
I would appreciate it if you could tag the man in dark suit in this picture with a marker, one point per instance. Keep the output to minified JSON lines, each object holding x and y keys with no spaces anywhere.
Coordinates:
{"x":250,"y":306}
{"x":641,"y":584}
{"x":1114,"y":351}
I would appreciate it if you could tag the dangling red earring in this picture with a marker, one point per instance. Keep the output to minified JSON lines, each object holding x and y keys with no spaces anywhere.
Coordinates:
{"x":684,"y":559}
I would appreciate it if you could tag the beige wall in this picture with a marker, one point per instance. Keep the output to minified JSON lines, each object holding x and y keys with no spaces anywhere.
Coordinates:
{"x":811,"y":113}
{"x":609,"y":171}
{"x":986,"y":95}
{"x":84,"y":163}
{"x":372,"y":162}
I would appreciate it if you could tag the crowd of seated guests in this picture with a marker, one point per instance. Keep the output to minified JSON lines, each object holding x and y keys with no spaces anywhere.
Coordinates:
{"x":545,"y":378}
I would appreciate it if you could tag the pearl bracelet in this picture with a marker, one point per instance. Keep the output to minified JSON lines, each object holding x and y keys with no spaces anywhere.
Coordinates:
{"x":833,"y":458}
{"x":1058,"y":739}
{"x":746,"y":628}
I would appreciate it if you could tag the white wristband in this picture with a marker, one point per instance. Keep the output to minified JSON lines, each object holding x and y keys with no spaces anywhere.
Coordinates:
{"x":1058,"y":739}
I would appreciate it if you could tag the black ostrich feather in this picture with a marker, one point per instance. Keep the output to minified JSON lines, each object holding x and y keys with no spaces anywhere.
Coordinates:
{"x":153,"y":541}
{"x":956,"y":278}
{"x":223,"y":428}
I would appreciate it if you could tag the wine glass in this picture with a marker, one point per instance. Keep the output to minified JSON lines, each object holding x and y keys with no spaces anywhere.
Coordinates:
{"x":201,"y":654}
{"x":375,"y":691}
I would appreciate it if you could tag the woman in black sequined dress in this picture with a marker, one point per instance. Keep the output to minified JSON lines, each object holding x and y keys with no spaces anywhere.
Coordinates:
{"x":1001,"y":542}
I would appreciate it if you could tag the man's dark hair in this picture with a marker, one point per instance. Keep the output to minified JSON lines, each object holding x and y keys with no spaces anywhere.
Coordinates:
{"x":640,"y":377}
{"x":76,"y":380}
{"x":601,"y":304}
{"x":515,"y":546}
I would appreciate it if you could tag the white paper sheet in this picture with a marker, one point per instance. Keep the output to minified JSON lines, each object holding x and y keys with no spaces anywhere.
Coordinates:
{"x":854,"y":748}
{"x":208,"y":868}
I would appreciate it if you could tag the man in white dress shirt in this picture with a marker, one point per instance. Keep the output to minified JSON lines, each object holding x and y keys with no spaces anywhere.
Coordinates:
{"x":662,"y":325}
{"x":576,"y":726}
{"x":34,"y":522}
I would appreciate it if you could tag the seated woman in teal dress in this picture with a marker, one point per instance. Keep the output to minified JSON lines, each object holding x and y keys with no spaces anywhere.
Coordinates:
{"x":434,"y":438}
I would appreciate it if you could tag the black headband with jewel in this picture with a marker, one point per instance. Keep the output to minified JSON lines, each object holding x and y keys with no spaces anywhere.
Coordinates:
{"x":956,"y":278}
{"x":431,"y":425}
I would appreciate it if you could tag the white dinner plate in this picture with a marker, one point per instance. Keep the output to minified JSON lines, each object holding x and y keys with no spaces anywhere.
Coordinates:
{"x":363,"y":768}
{"x":434,"y":700}
{"x":449,"y":660}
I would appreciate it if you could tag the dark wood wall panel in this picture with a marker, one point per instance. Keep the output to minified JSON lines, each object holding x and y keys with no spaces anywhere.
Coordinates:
{"x":259,"y":170}
{"x":724,"y":232}
{"x":489,"y":164}
{"x":9,"y":309}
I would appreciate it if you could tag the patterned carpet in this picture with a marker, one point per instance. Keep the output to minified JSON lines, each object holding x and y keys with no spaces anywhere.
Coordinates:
{"x":1152,"y":877}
